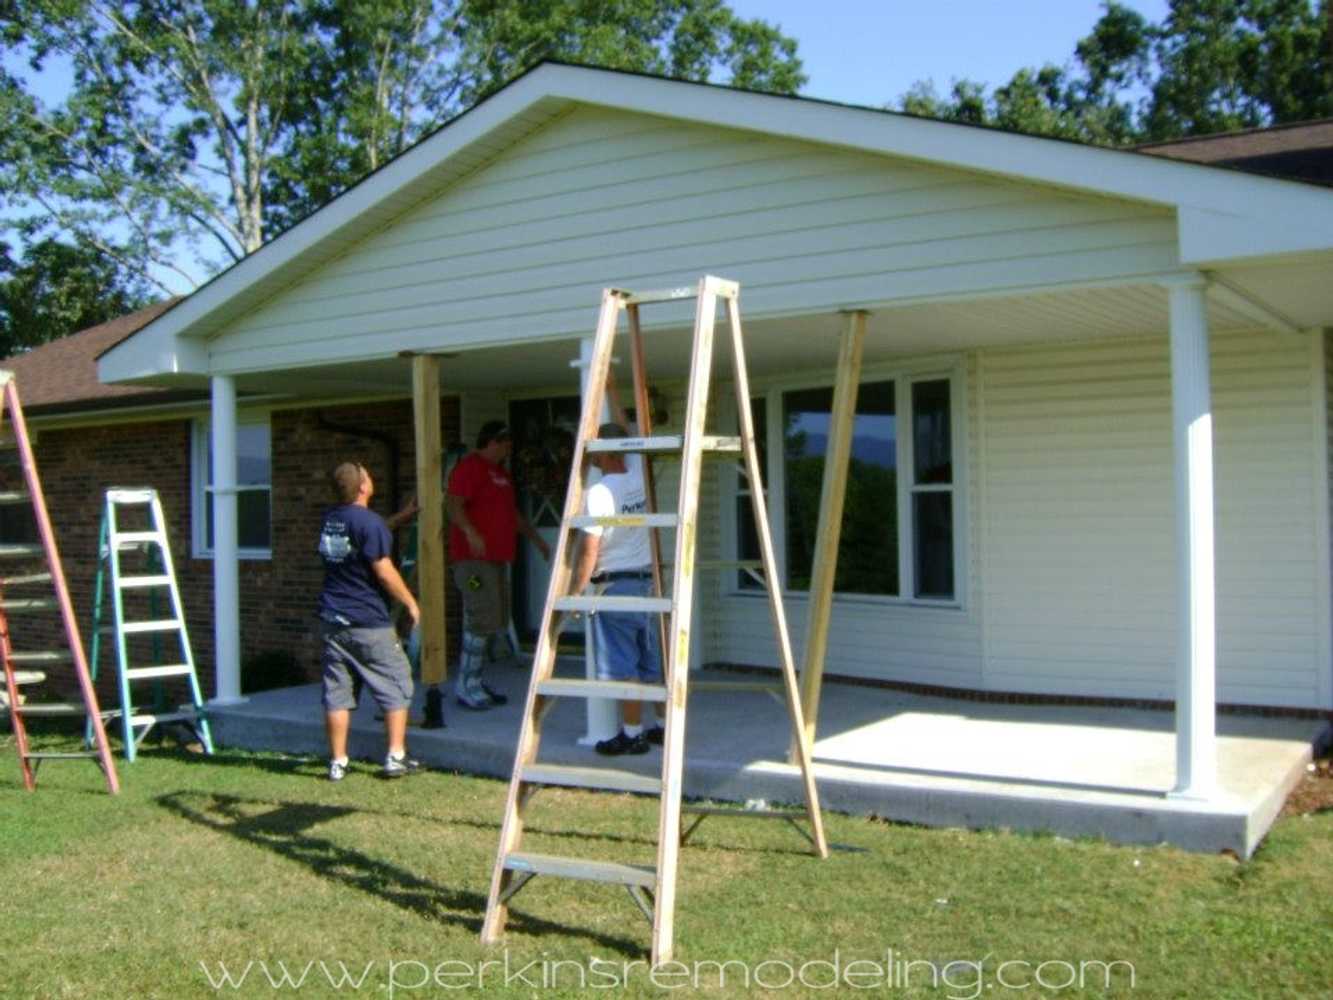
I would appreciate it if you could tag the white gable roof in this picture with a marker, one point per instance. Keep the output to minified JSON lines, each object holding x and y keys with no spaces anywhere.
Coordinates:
{"x":1222,"y":215}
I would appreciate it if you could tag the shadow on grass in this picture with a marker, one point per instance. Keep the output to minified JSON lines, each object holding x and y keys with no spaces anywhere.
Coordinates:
{"x":285,"y":829}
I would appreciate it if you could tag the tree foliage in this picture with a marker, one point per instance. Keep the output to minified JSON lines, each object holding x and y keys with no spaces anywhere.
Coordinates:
{"x":1209,"y":66}
{"x":214,"y":124}
{"x":58,"y":289}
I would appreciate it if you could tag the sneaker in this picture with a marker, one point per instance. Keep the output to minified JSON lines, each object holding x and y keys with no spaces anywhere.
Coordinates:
{"x":622,"y":743}
{"x":337,"y":770}
{"x":655,"y":735}
{"x":397,"y":767}
{"x":496,"y":697}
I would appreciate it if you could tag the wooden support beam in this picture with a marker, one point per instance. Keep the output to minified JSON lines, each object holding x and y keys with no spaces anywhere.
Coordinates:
{"x":430,"y":523}
{"x":829,"y":529}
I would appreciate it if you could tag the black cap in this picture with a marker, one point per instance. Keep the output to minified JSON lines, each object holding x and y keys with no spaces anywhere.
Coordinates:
{"x":492,"y":430}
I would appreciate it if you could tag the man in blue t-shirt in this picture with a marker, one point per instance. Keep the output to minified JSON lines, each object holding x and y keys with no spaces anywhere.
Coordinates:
{"x":360,"y":646}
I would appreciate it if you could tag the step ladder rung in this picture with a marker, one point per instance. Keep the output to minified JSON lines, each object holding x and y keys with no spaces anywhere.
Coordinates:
{"x":53,"y":708}
{"x":15,"y":551}
{"x":571,"y":687}
{"x":49,"y":755}
{"x":25,"y":604}
{"x":660,"y":605}
{"x":26,"y":579}
{"x":664,"y":444}
{"x":168,"y":670}
{"x":45,"y":656}
{"x":743,"y":813}
{"x":624,"y":521}
{"x":578,"y":868}
{"x":129,"y":495}
{"x":135,"y":628}
{"x":14,"y":496}
{"x":153,"y":718}
{"x":120,"y":539}
{"x":131,"y":582}
{"x":23,"y":677}
{"x":597,"y":778}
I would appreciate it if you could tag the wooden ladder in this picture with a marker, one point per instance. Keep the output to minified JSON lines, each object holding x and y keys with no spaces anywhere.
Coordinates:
{"x":150,"y":551}
{"x":653,"y":887}
{"x":18,"y":664}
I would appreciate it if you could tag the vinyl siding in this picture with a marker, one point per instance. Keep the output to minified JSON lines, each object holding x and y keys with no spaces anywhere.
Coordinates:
{"x":520,"y":249}
{"x":1078,"y":524}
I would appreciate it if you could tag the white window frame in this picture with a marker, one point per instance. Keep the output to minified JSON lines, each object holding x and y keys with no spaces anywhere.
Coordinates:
{"x":903,"y":375}
{"x":201,"y":441}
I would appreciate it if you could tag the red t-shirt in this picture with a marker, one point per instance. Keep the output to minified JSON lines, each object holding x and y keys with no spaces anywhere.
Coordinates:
{"x":488,"y":498}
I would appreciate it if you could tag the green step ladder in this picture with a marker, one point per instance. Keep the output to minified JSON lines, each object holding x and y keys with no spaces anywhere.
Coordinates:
{"x":155,"y":577}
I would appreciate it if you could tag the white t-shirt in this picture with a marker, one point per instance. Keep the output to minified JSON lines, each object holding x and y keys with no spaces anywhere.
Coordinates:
{"x":620,"y":493}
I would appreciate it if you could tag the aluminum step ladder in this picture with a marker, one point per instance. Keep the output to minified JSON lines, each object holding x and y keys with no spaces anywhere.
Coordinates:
{"x":153,"y":577}
{"x":651,"y":886}
{"x":23,"y":569}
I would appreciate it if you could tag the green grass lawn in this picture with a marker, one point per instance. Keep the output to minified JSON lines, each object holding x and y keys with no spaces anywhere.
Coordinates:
{"x":249,"y":860}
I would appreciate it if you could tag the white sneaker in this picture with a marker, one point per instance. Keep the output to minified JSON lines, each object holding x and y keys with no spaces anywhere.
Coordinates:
{"x":398,"y":767}
{"x":337,"y":770}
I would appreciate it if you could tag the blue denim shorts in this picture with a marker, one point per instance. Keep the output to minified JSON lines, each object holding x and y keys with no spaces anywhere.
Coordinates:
{"x":627,"y":644}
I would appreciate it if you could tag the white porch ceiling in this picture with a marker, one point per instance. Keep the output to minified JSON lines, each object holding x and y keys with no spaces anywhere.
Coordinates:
{"x":777,"y":347}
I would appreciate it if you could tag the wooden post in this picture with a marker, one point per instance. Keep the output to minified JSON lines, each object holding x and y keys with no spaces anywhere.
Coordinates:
{"x":430,"y":521}
{"x":829,"y":530}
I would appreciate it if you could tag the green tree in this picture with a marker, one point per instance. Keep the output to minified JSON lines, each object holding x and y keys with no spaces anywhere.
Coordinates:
{"x":59,"y":289}
{"x":1209,"y":66}
{"x":215,"y":124}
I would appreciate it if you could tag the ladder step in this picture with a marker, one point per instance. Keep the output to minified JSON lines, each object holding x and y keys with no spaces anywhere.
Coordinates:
{"x":601,"y":778}
{"x":591,"y":603}
{"x":561,"y":687}
{"x":61,"y":756}
{"x":14,"y":496}
{"x":121,"y":494}
{"x":170,"y":670}
{"x":123,"y":538}
{"x":665,"y":444}
{"x":152,"y":718}
{"x":53,"y":708}
{"x":21,"y":550}
{"x":745,"y":813}
{"x":22,"y":677}
{"x":51,"y":656}
{"x":134,"y":628}
{"x":678,"y":294}
{"x":624,"y":521}
{"x":25,"y":579}
{"x":589,"y":871}
{"x":128,"y":582}
{"x":29,"y":604}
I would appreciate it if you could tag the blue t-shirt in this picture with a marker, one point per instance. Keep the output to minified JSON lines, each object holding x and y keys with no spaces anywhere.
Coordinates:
{"x":352,"y":538}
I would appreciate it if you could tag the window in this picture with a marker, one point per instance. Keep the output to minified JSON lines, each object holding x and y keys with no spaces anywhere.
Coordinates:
{"x":898,"y":523}
{"x":253,"y":489}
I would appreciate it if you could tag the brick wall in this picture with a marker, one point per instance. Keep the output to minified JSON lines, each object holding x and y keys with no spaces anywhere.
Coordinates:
{"x":277,"y":594}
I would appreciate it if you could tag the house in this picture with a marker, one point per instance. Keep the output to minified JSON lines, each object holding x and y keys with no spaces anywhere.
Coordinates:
{"x":1092,"y":435}
{"x":90,"y":435}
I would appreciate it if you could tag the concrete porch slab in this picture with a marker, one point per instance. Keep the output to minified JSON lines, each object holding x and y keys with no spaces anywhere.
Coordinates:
{"x":1069,"y":770}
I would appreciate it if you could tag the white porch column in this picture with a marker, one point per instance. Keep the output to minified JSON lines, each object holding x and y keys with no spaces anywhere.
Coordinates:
{"x":226,"y":586}
{"x":1196,"y":670}
{"x":603,"y":713}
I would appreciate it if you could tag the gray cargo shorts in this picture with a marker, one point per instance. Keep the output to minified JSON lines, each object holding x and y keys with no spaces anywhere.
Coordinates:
{"x":354,"y":658}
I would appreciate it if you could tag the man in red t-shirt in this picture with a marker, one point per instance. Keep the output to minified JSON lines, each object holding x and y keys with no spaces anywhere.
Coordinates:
{"x":483,"y":522}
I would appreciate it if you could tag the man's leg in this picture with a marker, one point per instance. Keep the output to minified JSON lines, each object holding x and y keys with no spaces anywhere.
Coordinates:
{"x":395,"y":731}
{"x":336,"y":721}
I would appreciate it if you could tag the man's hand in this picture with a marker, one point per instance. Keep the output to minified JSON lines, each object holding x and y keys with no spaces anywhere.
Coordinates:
{"x":544,"y":548}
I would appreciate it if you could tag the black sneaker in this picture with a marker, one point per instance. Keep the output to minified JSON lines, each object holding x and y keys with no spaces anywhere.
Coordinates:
{"x":622,"y":743}
{"x":655,"y":735}
{"x":399,"y":767}
{"x":496,"y":697}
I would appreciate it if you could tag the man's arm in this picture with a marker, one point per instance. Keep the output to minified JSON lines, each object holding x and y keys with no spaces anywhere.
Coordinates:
{"x":534,"y":536}
{"x":589,"y":546}
{"x":392,"y":580}
{"x":455,"y":506}
{"x":396,"y":520}
{"x":617,"y":409}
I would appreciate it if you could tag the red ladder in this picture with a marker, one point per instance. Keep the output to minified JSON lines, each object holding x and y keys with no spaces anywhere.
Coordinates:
{"x":55,"y":576}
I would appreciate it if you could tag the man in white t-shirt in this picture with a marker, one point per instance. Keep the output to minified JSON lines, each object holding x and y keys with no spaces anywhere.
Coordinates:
{"x":626,"y":644}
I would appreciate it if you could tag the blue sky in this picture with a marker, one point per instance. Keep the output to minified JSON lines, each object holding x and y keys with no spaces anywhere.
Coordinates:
{"x":871,"y":51}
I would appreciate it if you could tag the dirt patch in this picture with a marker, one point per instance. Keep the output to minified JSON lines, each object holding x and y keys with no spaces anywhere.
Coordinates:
{"x":1315,"y":792}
